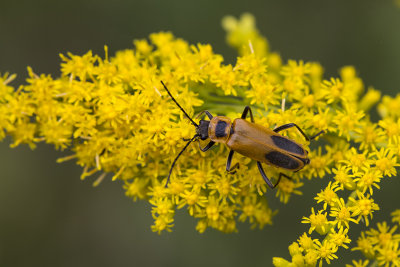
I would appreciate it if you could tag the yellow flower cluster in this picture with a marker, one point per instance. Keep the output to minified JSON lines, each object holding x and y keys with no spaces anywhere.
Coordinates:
{"x":382,"y":244}
{"x":359,"y":153}
{"x":116,"y":118}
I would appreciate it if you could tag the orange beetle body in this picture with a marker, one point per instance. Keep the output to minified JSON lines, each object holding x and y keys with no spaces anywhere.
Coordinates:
{"x":259,"y":143}
{"x":251,"y":140}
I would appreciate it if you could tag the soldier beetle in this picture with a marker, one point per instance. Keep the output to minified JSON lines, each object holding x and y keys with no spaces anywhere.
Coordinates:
{"x":249,"y":139}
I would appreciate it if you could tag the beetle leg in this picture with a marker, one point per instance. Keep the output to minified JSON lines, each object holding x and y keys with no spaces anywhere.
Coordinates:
{"x":229,"y":162}
{"x":207,"y":147}
{"x":267,"y":180}
{"x":233,"y":168}
{"x":290,"y":125}
{"x":264,"y":176}
{"x":314,"y":136}
{"x":207,"y":113}
{"x":282,"y":174}
{"x":245,"y":111}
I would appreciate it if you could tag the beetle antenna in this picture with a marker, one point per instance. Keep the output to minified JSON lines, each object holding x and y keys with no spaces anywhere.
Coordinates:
{"x":177,"y":157}
{"x":176,"y":102}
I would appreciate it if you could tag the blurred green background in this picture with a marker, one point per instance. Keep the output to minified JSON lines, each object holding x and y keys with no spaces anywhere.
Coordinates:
{"x":49,"y":217}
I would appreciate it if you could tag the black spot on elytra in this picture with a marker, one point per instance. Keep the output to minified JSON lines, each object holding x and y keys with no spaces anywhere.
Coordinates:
{"x":281,"y":160}
{"x":220,"y":129}
{"x":287,"y":145}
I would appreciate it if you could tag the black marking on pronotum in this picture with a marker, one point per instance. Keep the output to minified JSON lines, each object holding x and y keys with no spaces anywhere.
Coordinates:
{"x":282,"y":160}
{"x":220,"y":129}
{"x":287,"y":145}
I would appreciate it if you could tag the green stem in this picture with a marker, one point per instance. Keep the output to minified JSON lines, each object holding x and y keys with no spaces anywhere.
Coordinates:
{"x":217,"y":102}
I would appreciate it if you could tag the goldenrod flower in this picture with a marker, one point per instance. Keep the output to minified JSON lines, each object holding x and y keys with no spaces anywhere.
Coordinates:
{"x":357,"y":160}
{"x":359,"y":263}
{"x":390,"y":107}
{"x":340,"y":238}
{"x":369,"y":135}
{"x":386,"y":161}
{"x":396,"y":216}
{"x":367,"y":178}
{"x":333,"y":90}
{"x":337,"y":151}
{"x":243,"y":35}
{"x":344,"y":178}
{"x":342,"y":214}
{"x":318,"y":222}
{"x":328,"y":195}
{"x":306,"y":242}
{"x":311,"y":257}
{"x":119,"y":123}
{"x":319,"y":164}
{"x":391,"y":127}
{"x":348,"y":120}
{"x":381,"y":244}
{"x":365,"y":246}
{"x":325,"y":251}
{"x":369,"y":99}
{"x":286,"y":188}
{"x":363,"y":207}
{"x":382,"y":237}
{"x":389,"y":256}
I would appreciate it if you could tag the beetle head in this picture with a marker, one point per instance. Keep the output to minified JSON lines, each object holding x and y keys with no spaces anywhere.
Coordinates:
{"x":202,"y":129}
